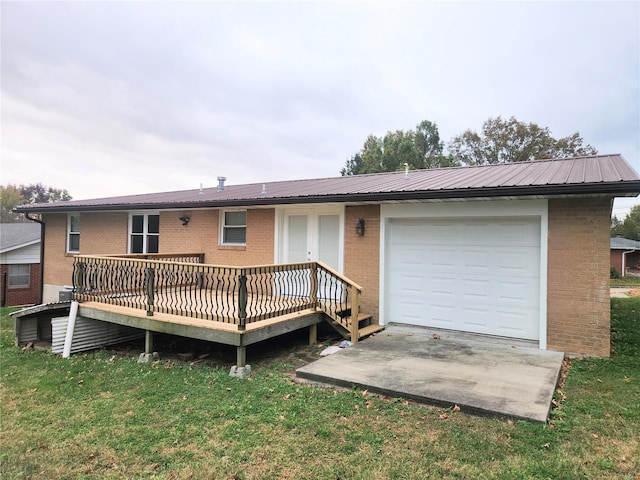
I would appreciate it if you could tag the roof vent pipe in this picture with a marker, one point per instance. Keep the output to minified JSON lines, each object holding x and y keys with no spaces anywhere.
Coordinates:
{"x":264,"y":190}
{"x":221,"y":181}
{"x":200,"y":192}
{"x":406,"y":170}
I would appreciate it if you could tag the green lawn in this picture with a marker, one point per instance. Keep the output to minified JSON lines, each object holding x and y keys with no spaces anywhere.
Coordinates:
{"x":99,"y":416}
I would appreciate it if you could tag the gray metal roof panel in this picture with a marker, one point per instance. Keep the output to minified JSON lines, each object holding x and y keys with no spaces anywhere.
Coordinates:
{"x":596,"y":174}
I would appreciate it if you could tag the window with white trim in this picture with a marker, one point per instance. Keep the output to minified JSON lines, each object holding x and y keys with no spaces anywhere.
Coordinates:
{"x":233,"y":227}
{"x":19,"y":276}
{"x":73,"y":233}
{"x":144,"y":232}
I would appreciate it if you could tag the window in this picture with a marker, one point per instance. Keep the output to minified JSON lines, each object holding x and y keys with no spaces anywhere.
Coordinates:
{"x":234,"y":227}
{"x":144,"y":233}
{"x":19,"y":276}
{"x":73,"y":233}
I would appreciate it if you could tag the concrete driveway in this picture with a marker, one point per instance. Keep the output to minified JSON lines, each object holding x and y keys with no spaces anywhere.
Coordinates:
{"x":480,"y":374}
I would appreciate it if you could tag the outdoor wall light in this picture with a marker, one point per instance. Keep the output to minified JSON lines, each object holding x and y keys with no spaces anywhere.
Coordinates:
{"x":184,"y":219}
{"x":360,"y":227}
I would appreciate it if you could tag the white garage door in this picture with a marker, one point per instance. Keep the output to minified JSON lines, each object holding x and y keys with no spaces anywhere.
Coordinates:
{"x":475,"y":275}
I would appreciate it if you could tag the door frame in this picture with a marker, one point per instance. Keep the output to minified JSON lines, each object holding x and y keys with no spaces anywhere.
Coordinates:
{"x":313,"y":212}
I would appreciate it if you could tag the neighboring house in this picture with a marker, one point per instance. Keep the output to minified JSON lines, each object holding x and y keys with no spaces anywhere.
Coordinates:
{"x":515,"y":250}
{"x":625,"y":255}
{"x":19,"y":263}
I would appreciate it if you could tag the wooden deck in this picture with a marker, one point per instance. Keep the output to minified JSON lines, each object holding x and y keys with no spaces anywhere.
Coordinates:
{"x":209,"y":330}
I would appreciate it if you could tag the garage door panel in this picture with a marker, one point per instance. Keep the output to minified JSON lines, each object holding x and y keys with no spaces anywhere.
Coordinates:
{"x":521,"y":293}
{"x":438,"y":287}
{"x":474,"y":275}
{"x":518,"y":323}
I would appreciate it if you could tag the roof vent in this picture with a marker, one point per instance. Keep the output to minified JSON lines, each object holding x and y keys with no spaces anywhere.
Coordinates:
{"x":221,"y":181}
{"x":406,"y":170}
{"x":200,"y":192}
{"x":264,"y":190}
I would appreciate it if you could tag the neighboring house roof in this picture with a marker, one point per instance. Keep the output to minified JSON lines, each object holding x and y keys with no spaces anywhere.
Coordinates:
{"x":18,"y":235}
{"x":602,"y":174}
{"x":621,"y":243}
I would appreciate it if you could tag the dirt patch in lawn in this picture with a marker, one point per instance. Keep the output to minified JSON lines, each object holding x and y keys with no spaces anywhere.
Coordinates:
{"x":291,"y":349}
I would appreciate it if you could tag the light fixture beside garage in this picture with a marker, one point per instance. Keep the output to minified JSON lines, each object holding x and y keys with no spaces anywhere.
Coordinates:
{"x":185,"y":219}
{"x":360,"y":227}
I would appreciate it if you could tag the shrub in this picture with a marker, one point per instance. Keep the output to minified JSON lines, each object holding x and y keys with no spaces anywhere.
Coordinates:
{"x":614,"y":273}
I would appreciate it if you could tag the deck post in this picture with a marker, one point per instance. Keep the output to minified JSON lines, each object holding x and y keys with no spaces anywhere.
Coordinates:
{"x":150,"y":278}
{"x":355,"y":313}
{"x":313,"y":334}
{"x":241,"y":356}
{"x":242,"y":302}
{"x":148,"y":342}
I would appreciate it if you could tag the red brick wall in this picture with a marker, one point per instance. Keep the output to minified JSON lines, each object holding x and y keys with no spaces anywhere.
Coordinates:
{"x":107,"y":233}
{"x":20,"y":296}
{"x":362,"y":254}
{"x":616,"y":259}
{"x":578,"y":307}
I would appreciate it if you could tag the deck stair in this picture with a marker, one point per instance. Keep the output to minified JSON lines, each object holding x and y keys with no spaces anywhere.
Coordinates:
{"x":340,"y":320}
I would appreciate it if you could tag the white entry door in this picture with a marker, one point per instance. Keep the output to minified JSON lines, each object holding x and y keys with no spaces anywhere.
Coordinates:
{"x":313,"y":235}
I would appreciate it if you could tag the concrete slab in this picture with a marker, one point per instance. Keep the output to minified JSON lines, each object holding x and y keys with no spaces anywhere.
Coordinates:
{"x":480,"y":374}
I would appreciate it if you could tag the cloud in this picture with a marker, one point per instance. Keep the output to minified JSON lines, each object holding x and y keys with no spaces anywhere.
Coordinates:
{"x":109,"y":98}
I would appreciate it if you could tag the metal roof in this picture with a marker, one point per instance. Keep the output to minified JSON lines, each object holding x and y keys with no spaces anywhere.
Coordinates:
{"x":16,"y":235}
{"x":621,"y":243}
{"x":602,"y":174}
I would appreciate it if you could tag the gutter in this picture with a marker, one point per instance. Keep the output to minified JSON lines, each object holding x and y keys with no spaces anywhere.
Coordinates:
{"x":42,"y":230}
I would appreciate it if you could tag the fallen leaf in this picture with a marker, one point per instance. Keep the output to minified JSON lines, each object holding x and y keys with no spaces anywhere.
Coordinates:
{"x":546,"y":445}
{"x":627,"y":379}
{"x":456,"y":409}
{"x":287,"y":396}
{"x":443,"y":416}
{"x":436,"y":336}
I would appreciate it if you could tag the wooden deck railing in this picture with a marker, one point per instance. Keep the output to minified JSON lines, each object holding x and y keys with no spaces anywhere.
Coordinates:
{"x":237,"y":295}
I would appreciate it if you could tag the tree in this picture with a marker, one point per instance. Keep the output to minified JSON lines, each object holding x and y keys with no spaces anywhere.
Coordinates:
{"x":509,"y":140}
{"x":629,"y":227}
{"x":421,"y":148}
{"x":12,"y":196}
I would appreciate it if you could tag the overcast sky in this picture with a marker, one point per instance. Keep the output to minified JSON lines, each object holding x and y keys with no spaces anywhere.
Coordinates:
{"x":108,"y":98}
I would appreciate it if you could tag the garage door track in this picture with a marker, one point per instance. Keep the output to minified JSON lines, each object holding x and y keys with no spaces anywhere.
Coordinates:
{"x":480,"y":374}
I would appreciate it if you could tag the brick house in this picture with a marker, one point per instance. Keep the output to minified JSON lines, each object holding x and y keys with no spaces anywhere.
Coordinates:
{"x":19,"y":264}
{"x":514,"y":250}
{"x":625,"y":255}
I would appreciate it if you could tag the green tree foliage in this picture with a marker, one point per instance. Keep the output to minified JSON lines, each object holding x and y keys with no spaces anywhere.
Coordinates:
{"x":12,"y":196}
{"x":509,"y":140}
{"x":629,"y":227}
{"x":419,"y":148}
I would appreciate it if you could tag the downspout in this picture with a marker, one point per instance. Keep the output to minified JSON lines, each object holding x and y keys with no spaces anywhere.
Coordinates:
{"x":624,"y":263}
{"x":42,"y":229}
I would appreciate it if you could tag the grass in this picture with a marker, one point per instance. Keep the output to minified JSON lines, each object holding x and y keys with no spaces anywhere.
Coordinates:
{"x":103,"y":416}
{"x":625,"y":282}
